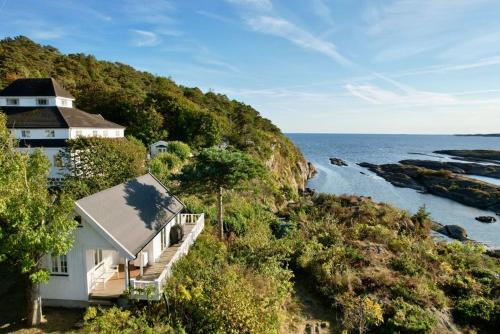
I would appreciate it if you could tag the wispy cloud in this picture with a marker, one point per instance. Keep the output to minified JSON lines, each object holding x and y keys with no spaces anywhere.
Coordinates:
{"x":302,"y":38}
{"x":485,"y":62}
{"x":142,"y":38}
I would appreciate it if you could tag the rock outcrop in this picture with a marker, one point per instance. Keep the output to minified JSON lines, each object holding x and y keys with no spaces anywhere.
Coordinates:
{"x":492,"y":171}
{"x":338,"y":162}
{"x":474,"y":155}
{"x":442,"y":183}
{"x":486,"y":219}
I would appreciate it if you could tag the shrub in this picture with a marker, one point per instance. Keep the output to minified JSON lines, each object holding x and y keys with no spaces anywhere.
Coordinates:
{"x":474,"y":309}
{"x":410,"y":318}
{"x":180,"y":149}
{"x":406,"y":264}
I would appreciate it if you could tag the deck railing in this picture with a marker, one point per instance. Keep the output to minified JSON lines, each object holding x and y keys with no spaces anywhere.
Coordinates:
{"x":152,"y":290}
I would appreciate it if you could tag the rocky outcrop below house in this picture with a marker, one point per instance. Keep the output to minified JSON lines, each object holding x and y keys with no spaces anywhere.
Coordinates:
{"x":492,"y":171}
{"x":442,"y":183}
{"x":338,"y":162}
{"x":452,"y":231}
{"x":473,"y":155}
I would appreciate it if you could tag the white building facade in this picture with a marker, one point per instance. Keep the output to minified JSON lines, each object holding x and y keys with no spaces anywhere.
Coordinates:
{"x":41,"y":114}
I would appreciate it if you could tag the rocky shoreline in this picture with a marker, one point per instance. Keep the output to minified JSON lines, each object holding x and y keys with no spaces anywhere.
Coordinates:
{"x":492,"y":171}
{"x":443,"y":183}
{"x":491,"y":156}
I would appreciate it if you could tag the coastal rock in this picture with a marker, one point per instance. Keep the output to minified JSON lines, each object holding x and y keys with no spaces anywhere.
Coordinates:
{"x":441,"y":183}
{"x":455,"y":232}
{"x":492,"y":171}
{"x":486,"y":219}
{"x":338,"y":162}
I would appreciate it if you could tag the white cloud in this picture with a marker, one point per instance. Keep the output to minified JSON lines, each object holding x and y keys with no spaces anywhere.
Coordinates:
{"x":302,"y":38}
{"x":144,"y":38}
{"x":485,"y":62}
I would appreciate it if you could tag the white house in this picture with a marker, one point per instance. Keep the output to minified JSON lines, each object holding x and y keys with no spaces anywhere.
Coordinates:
{"x":158,"y":147}
{"x":40,"y":113}
{"x":128,"y":239}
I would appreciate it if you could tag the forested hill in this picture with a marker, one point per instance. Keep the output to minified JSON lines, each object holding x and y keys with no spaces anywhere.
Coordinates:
{"x":154,"y":107}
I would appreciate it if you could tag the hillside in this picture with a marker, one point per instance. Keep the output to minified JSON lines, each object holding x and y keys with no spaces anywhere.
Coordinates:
{"x":154,"y":107}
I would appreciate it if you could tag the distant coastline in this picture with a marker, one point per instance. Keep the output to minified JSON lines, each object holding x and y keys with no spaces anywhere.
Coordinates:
{"x":479,"y":135}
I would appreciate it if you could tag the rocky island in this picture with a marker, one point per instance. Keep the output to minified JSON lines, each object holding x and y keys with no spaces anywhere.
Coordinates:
{"x":443,"y":183}
{"x":473,"y":155}
{"x":338,"y":162}
{"x":492,"y":171}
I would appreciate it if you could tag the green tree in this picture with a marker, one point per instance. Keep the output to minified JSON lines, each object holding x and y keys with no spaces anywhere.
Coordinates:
{"x":95,"y":164}
{"x":33,"y":223}
{"x":214,"y":170}
{"x":180,"y":149}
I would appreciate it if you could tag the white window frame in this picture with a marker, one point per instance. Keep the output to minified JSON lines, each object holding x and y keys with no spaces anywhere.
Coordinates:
{"x":12,"y":101}
{"x":26,"y":133}
{"x":50,"y":133}
{"x":64,"y":103}
{"x":59,"y":265}
{"x":42,"y":101}
{"x":105,"y":133}
{"x":162,"y":148}
{"x":163,"y":239}
{"x":117,"y":133}
{"x":98,"y":258}
{"x":95,"y":133}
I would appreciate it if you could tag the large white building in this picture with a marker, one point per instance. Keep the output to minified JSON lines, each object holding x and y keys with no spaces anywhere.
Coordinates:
{"x":40,"y":113}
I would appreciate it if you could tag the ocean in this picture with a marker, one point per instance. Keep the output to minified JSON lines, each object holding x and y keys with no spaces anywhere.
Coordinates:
{"x":380,"y":149}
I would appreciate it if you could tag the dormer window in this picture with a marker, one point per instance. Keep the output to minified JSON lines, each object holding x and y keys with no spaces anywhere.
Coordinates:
{"x":64,"y":103}
{"x":42,"y":101}
{"x":12,"y":102}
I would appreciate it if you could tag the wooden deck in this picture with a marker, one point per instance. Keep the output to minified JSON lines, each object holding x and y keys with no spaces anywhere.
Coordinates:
{"x":153,"y":271}
{"x":115,"y":286}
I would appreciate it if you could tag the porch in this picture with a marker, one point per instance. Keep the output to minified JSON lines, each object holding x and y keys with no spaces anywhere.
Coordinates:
{"x":150,"y":284}
{"x":145,"y":281}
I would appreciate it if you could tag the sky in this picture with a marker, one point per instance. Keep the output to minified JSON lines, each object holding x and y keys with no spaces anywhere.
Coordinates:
{"x":322,"y":66}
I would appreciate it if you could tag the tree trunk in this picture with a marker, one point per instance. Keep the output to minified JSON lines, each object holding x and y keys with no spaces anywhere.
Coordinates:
{"x":34,"y":304}
{"x":219,"y":214}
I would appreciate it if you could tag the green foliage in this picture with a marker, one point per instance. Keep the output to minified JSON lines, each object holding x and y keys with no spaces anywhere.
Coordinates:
{"x":409,"y":318}
{"x":213,"y":168}
{"x":117,"y":321}
{"x":474,"y":309}
{"x":95,"y":163}
{"x":32,"y":221}
{"x":180,"y":149}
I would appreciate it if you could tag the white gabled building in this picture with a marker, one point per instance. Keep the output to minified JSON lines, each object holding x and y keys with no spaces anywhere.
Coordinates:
{"x":40,"y":113}
{"x":128,"y":238}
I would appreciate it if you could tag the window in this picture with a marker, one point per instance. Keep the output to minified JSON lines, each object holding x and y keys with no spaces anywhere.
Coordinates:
{"x":42,"y":102}
{"x":59,"y":264}
{"x":50,"y":133}
{"x":105,"y":133}
{"x":12,"y":102}
{"x":78,"y":133}
{"x":163,"y":238}
{"x":94,"y":133}
{"x":97,"y":257}
{"x":64,"y":103}
{"x":58,"y":161}
{"x":162,"y":148}
{"x":25,"y":133}
{"x":117,"y":133}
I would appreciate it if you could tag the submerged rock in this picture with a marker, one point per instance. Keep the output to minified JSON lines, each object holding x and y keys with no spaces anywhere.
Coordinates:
{"x":338,"y":162}
{"x":486,"y":219}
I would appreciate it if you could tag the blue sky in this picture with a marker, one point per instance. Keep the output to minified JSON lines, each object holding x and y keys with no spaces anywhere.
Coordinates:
{"x":345,"y":66}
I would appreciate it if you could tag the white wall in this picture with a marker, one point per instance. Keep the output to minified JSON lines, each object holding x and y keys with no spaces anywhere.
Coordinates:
{"x":155,"y":148}
{"x":30,"y":101}
{"x":40,"y":133}
{"x":50,"y":152}
{"x":101,"y":132}
{"x":76,"y":285}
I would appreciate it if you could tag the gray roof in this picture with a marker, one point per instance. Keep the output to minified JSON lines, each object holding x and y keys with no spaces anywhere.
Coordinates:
{"x":54,"y":117}
{"x":35,"y":87}
{"x":134,"y":212}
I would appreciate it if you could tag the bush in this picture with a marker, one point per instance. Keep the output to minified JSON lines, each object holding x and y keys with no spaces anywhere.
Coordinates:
{"x":117,"y":321}
{"x":410,"y":318}
{"x":474,"y":309}
{"x":180,"y":149}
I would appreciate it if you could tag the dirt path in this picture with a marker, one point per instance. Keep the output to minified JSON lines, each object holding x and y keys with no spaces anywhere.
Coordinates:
{"x":311,"y":315}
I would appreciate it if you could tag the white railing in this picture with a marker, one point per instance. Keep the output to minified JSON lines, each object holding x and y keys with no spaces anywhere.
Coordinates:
{"x":153,"y":289}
